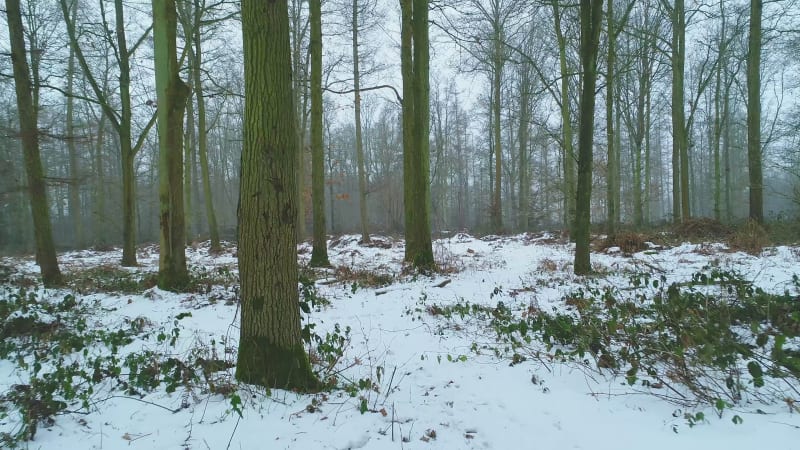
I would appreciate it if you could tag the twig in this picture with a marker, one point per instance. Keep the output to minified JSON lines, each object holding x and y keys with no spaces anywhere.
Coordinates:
{"x":443,"y":283}
{"x":389,"y":389}
{"x":142,"y":401}
{"x":233,"y":433}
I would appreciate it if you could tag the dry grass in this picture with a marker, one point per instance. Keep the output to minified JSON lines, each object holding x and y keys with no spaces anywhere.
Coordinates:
{"x":751,"y":237}
{"x":363,"y":277}
{"x":701,"y":229}
{"x":628,"y":242}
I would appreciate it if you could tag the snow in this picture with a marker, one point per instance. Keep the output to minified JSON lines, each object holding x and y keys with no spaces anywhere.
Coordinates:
{"x":434,"y":391}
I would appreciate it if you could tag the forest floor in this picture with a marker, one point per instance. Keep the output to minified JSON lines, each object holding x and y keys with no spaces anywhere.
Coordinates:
{"x":504,"y":348}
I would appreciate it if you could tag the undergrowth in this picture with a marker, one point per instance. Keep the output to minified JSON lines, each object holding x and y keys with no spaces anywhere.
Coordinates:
{"x":714,"y":340}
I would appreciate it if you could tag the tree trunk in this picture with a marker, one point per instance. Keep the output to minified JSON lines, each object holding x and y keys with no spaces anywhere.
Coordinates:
{"x":591,"y":21}
{"x":100,"y":222}
{"x":497,"y":78}
{"x":319,"y":252}
{"x":415,"y":60}
{"x":75,"y":210}
{"x":612,"y":178}
{"x":172,"y":96}
{"x":121,"y":122}
{"x":362,"y":174}
{"x":29,"y":132}
{"x":754,"y":113}
{"x":524,"y":130}
{"x":126,"y":146}
{"x":271,"y":351}
{"x":202,"y":133}
{"x":680,"y":133}
{"x":298,"y":30}
{"x":190,"y":147}
{"x":717,"y":134}
{"x":566,"y":124}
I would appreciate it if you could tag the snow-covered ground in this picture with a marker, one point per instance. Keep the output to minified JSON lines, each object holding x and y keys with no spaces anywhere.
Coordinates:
{"x":431,"y":390}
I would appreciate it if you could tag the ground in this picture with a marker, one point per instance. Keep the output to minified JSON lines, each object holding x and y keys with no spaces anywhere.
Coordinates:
{"x":410,"y":375}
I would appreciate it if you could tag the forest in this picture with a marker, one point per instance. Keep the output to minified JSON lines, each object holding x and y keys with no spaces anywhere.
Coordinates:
{"x":350,"y":218}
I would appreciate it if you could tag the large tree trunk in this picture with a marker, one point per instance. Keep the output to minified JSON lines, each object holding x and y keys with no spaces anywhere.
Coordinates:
{"x":591,"y":21}
{"x":754,"y":113}
{"x":271,"y":351}
{"x":319,"y":252}
{"x":172,"y":95}
{"x":415,"y":60}
{"x":29,"y":132}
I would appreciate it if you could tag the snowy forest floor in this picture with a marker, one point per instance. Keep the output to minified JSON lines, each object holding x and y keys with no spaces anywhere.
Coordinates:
{"x":504,"y":348}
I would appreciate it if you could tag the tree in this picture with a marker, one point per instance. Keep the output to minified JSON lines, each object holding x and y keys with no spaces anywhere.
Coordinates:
{"x":591,"y":12}
{"x":612,"y":178}
{"x":121,"y":121}
{"x":754,"y":113}
{"x":680,"y":142}
{"x":362,"y":173}
{"x":319,"y":252}
{"x":271,"y":351}
{"x":193,"y":12}
{"x":29,"y":131}
{"x":415,"y":63}
{"x":566,"y":121}
{"x":172,"y":94}
{"x":74,"y":185}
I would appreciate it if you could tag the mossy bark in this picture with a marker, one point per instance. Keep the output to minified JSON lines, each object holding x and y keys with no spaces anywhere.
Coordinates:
{"x":264,"y":363}
{"x":270,"y":345}
{"x":415,"y":63}
{"x":42,"y":228}
{"x":319,"y":252}
{"x":754,"y":114}
{"x":172,"y":95}
{"x":591,"y":20}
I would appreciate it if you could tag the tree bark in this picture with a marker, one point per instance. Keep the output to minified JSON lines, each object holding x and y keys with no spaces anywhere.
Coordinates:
{"x":270,"y":346}
{"x":172,"y":95}
{"x":29,"y":132}
{"x":591,"y":12}
{"x":75,"y":210}
{"x":612,"y":177}
{"x":196,"y":60}
{"x":415,"y":61}
{"x":362,"y":173}
{"x":566,"y":123}
{"x":319,"y":252}
{"x":497,"y":79}
{"x":754,"y":113}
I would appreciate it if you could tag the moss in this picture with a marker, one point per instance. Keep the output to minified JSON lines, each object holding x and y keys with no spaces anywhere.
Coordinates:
{"x":173,"y":280}
{"x":319,"y":257}
{"x":263,"y":363}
